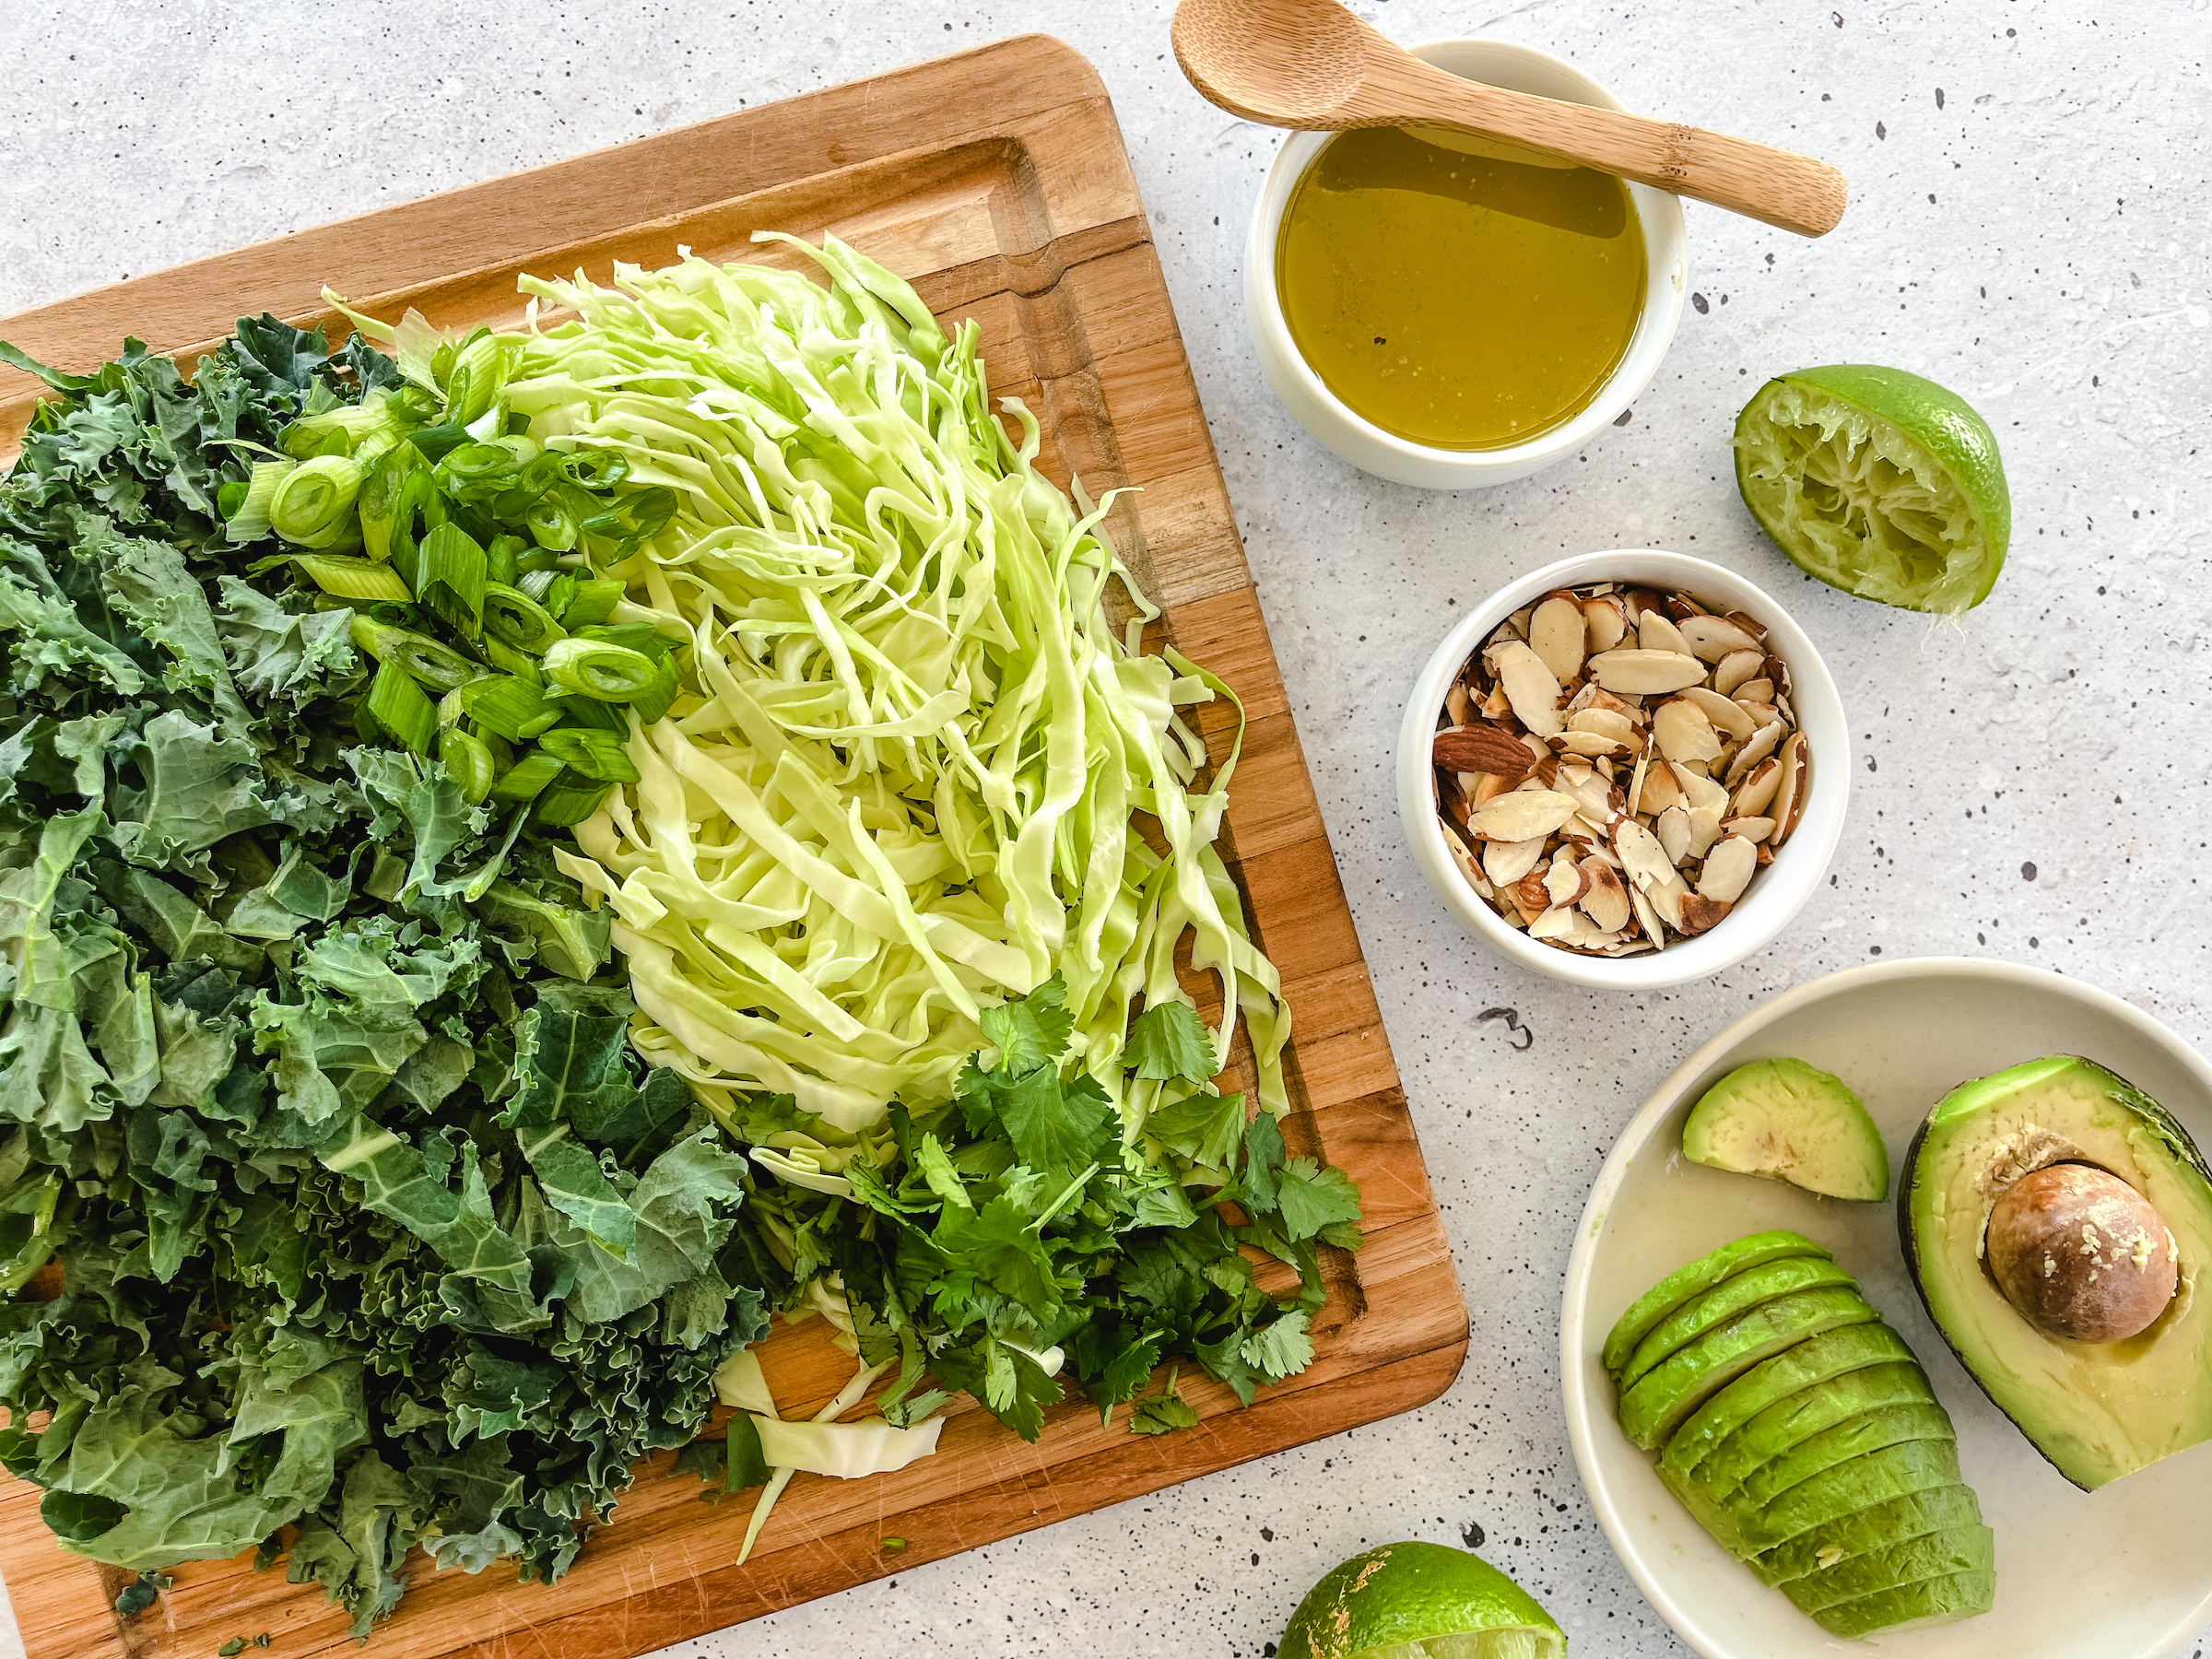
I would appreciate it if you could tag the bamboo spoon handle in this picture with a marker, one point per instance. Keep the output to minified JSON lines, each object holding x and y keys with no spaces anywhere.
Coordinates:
{"x":1775,"y":186}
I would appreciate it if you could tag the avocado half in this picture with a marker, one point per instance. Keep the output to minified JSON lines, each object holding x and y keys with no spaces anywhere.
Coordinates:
{"x":2096,"y":1410}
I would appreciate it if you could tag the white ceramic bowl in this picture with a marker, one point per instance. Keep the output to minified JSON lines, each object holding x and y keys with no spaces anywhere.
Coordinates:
{"x":1777,"y":892}
{"x":1368,"y":446}
{"x":2118,"y":1573}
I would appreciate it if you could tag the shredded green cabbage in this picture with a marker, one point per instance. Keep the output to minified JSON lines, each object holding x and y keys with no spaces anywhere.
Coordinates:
{"x":897,"y":784}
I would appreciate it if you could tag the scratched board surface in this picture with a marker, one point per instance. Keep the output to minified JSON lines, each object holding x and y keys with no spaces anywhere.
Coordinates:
{"x":996,"y":182}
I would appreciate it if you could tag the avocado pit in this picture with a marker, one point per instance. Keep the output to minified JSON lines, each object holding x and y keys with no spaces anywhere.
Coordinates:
{"x":2079,"y":1253}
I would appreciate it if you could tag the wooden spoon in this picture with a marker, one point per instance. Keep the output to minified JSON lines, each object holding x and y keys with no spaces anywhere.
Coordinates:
{"x":1311,"y":64}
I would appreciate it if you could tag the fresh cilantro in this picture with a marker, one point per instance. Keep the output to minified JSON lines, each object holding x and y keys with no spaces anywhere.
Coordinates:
{"x":1310,"y":1197}
{"x":1032,"y":1032}
{"x":1169,"y":1041}
{"x":1164,"y":1412}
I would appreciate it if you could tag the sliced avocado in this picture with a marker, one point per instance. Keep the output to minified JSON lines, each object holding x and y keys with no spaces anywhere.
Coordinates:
{"x":1869,"y":1432}
{"x":1788,"y":1121}
{"x":1794,"y":1418}
{"x":2096,"y":1410}
{"x":1935,"y":1601}
{"x":1695,"y":1279}
{"x":1837,"y":1354}
{"x":1725,"y":1301}
{"x":1862,"y":1532}
{"x":1654,"y":1407}
{"x":1954,"y":1549}
{"x":1856,"y":1483}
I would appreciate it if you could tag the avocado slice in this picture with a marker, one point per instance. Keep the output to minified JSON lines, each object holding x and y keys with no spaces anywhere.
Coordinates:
{"x":1967,"y":1548}
{"x":1723,"y":1303}
{"x":1856,"y":1483}
{"x":1869,"y":1432}
{"x":1837,"y":1354}
{"x":1797,"y":1418}
{"x":1654,"y":1407}
{"x":1693,"y":1280}
{"x":1934,"y":1601}
{"x":1862,"y":1532}
{"x":2096,"y":1410}
{"x":1788,"y":1121}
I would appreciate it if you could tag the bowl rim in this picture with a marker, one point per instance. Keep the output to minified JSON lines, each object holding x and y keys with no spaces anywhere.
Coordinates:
{"x":1777,"y":893}
{"x":1578,"y":1401}
{"x":1665,"y":235}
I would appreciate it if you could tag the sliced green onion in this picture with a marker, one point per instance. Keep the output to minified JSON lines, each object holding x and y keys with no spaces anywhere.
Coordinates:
{"x":468,"y":760}
{"x":451,"y":576}
{"x":658,"y":698}
{"x":438,"y":666}
{"x":397,"y":705}
{"x":636,"y":636}
{"x":452,"y":708}
{"x":476,"y":471}
{"x":353,"y":578}
{"x":312,"y":506}
{"x":552,"y":524}
{"x":595,"y":602}
{"x":499,"y":748}
{"x":579,"y":710}
{"x":418,"y":502}
{"x":438,"y":442}
{"x":514,"y":618}
{"x":569,"y":801}
{"x":500,"y":556}
{"x":480,"y":372}
{"x":600,"y":755}
{"x":523,"y":780}
{"x":508,"y":660}
{"x":598,"y":668}
{"x":378,"y":500}
{"x":513,"y":708}
{"x":252,"y":517}
{"x":594,"y":469}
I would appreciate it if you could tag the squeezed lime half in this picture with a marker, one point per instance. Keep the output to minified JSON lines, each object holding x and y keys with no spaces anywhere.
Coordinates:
{"x":1879,"y":482}
{"x":1419,"y":1601}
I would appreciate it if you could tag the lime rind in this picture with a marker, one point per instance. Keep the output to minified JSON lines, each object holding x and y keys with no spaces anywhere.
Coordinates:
{"x":1522,"y":1642}
{"x":1419,"y":1601}
{"x":1862,"y":503}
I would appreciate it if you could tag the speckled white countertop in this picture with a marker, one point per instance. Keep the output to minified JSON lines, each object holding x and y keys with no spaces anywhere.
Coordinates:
{"x":2030,"y":224}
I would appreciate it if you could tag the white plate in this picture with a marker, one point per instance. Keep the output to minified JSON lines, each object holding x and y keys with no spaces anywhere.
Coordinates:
{"x":2122,"y":1574}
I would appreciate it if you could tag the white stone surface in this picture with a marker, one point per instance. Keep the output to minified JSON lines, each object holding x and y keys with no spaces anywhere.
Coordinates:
{"x":2032,"y":224}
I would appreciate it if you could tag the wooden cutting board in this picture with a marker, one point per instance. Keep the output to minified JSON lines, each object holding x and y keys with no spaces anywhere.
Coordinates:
{"x":996,"y":182}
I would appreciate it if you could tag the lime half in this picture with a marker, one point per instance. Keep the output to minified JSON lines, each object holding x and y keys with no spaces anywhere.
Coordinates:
{"x":1419,"y":1601}
{"x":1877,"y":482}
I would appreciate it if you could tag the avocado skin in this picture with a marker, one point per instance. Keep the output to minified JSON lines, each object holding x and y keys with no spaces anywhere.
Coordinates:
{"x":1870,"y":1530}
{"x":2154,"y":1117}
{"x":1969,"y":1548}
{"x":1932,"y":1601}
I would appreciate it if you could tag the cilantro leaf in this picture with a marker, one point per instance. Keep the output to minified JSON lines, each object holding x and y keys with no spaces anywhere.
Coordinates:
{"x":1280,"y":1349}
{"x":1032,"y":1032}
{"x":1163,"y":1413}
{"x":1310,"y":1197}
{"x":1169,"y":1041}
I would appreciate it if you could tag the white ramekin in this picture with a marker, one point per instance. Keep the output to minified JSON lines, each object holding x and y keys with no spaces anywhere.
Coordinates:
{"x":1387,"y":456}
{"x":1777,"y":892}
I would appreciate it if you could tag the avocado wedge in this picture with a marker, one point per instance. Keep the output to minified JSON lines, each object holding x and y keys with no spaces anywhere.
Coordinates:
{"x":1654,"y":1407}
{"x":1867,"y":1531}
{"x":1695,"y":1279}
{"x":1839,"y":1353}
{"x":1804,"y":1416}
{"x":1787,"y":1120}
{"x":1869,"y":1432}
{"x":2097,"y":1410}
{"x":1856,"y":1483}
{"x":1934,"y":1601}
{"x":1725,"y":1301}
{"x":1970,"y":1548}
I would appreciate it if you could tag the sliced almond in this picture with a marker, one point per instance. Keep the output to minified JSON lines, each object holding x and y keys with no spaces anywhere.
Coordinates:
{"x":1683,"y":732}
{"x":1520,"y":813}
{"x":1636,"y":783}
{"x":1757,"y":748}
{"x":1563,"y":882}
{"x":1789,"y":791}
{"x":1564,"y":923}
{"x":1660,"y":791}
{"x":1698,"y":790}
{"x":1704,"y":829}
{"x":1588,"y":744}
{"x":1727,"y":716}
{"x":1643,"y":673}
{"x":1482,"y":749}
{"x":1727,"y":869}
{"x":1713,"y":637}
{"x":1667,"y":899}
{"x":1506,"y":862}
{"x":1530,"y":687}
{"x":1701,"y":913}
{"x":1555,"y":632}
{"x":1757,"y":788}
{"x":1604,"y":897}
{"x":1760,"y":690}
{"x":1750,"y":625}
{"x":1471,"y":870}
{"x":1640,"y":854}
{"x":1459,"y":707}
{"x":1672,"y":827}
{"x":1606,"y":623}
{"x":1750,"y":829}
{"x":1495,"y":704}
{"x":1493,"y":785}
{"x":1607,"y":723}
{"x":1647,"y":918}
{"x":1534,"y":891}
{"x":1736,"y":669}
{"x":1655,"y":632}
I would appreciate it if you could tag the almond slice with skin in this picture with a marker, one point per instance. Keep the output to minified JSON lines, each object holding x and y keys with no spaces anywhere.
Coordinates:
{"x":1647,"y":918}
{"x":1672,"y":827}
{"x":1760,"y":690}
{"x":1736,"y":668}
{"x":1713,"y":637}
{"x":1556,"y":633}
{"x":1727,"y":869}
{"x":1640,"y":854}
{"x":1636,"y":783}
{"x":1506,"y":862}
{"x":1726,"y":714}
{"x":1645,"y":673}
{"x":1753,"y":794}
{"x":1522,"y":813}
{"x":1697,"y":788}
{"x":1588,"y":744}
{"x":1482,"y":749}
{"x":1789,"y":791}
{"x":1533,"y":891}
{"x":1563,"y":882}
{"x":1605,"y":722}
{"x":1704,"y":829}
{"x":1655,"y":632}
{"x":1683,"y":731}
{"x":1701,"y":915}
{"x":1604,"y":621}
{"x":1757,"y":748}
{"x":1530,"y":687}
{"x":1750,"y":829}
{"x":1604,"y":897}
{"x":1667,"y":899}
{"x":1660,"y":791}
